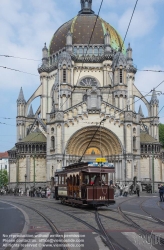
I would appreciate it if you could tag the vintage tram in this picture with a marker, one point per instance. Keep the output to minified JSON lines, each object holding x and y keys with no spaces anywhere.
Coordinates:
{"x":85,"y":184}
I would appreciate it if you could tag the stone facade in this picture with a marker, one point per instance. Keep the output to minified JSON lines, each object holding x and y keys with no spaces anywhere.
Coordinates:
{"x":87,"y":109}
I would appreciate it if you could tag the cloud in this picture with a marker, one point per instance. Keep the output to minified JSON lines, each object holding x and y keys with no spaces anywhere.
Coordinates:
{"x":142,"y":23}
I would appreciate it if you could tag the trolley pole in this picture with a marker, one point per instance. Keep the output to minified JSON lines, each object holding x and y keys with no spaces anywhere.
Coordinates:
{"x":153,"y":170}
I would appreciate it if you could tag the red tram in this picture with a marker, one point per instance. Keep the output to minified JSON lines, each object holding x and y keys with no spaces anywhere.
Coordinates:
{"x":83,"y":184}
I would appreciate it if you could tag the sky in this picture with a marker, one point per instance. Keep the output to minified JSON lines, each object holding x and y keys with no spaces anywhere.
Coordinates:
{"x":26,"y":25}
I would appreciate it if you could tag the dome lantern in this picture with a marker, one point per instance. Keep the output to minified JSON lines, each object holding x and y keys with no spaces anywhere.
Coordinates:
{"x":86,"y":7}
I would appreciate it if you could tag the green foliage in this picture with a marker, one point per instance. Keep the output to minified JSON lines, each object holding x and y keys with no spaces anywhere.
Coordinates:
{"x":161,"y":134}
{"x":3,"y":177}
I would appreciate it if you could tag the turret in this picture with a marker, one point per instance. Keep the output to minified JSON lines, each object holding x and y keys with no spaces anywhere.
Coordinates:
{"x":154,"y":104}
{"x":21,"y":106}
{"x":69,"y":42}
{"x":107,"y":43}
{"x":21,"y":102}
{"x":129,"y":55}
{"x":140,"y":112}
{"x":45,"y":55}
{"x":31,"y":113}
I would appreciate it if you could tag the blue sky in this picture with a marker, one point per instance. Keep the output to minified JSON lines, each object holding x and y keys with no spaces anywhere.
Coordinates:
{"x":26,"y":25}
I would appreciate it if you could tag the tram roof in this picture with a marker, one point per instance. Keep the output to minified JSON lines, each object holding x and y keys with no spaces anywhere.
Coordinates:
{"x":86,"y":168}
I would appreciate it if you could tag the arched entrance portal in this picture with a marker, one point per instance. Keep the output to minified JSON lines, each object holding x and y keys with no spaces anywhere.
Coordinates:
{"x":104,"y":143}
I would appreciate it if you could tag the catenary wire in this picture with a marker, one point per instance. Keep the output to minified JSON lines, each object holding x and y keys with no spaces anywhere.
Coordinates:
{"x":22,"y":58}
{"x":86,"y":50}
{"x":18,"y":71}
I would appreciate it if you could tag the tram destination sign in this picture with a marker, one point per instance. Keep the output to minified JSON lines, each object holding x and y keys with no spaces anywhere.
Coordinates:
{"x":100,"y":160}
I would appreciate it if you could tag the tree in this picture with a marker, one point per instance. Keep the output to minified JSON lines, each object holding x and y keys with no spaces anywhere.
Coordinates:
{"x":3,"y":177}
{"x":161,"y":134}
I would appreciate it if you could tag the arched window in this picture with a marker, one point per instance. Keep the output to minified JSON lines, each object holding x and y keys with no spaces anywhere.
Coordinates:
{"x":96,"y":51}
{"x":64,"y":75}
{"x":52,"y":142}
{"x":52,"y":130}
{"x":134,"y":130}
{"x":101,"y":51}
{"x":134,"y":142}
{"x":80,"y":51}
{"x":85,"y":50}
{"x":90,"y":51}
{"x":75,"y":50}
{"x":121,"y":78}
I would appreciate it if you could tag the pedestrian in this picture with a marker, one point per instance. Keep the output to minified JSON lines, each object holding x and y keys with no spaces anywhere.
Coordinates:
{"x":138,"y":189}
{"x":126,"y":190}
{"x":121,"y":190}
{"x":161,"y":192}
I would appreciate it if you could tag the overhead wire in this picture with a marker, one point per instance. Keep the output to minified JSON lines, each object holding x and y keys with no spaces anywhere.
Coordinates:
{"x":22,"y":58}
{"x":4,"y":67}
{"x":86,"y":50}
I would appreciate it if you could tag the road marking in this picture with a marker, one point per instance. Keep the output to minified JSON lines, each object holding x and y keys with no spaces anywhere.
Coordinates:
{"x":67,"y":236}
{"x":38,"y":242}
{"x":139,"y":241}
{"x":100,"y":243}
{"x":140,"y":215}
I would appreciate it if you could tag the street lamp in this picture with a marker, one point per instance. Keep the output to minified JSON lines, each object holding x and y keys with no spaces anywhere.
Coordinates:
{"x":25,"y":182}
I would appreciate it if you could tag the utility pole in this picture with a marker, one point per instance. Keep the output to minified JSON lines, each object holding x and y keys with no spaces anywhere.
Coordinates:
{"x":153,"y":169}
{"x":1,"y":176}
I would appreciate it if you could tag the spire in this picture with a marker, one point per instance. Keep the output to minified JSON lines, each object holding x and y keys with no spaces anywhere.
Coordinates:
{"x":154,"y":98}
{"x":21,"y":97}
{"x":45,"y":55}
{"x":140,"y":112}
{"x":129,"y":55}
{"x":31,"y":113}
{"x":107,"y":42}
{"x":86,"y":7}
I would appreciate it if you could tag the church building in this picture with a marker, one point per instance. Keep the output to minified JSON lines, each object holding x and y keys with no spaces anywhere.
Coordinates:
{"x":87,"y":108}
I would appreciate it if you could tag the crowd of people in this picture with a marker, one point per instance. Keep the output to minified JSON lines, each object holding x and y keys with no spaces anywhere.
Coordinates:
{"x":127,"y":189}
{"x":42,"y":192}
{"x":45,"y":192}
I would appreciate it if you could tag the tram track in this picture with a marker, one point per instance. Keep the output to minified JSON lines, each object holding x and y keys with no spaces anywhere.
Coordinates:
{"x":107,"y":240}
{"x":152,"y":216}
{"x":110,"y":241}
{"x":137,"y":226}
{"x":49,"y":222}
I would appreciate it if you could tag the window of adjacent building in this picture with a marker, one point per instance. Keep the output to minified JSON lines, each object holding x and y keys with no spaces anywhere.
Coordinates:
{"x":64,"y":75}
{"x":5,"y":166}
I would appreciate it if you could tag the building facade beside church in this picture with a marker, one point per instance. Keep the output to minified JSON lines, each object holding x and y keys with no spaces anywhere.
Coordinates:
{"x":87,"y":108}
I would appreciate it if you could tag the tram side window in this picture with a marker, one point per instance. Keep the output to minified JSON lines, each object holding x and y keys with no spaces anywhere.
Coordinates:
{"x":86,"y":179}
{"x":62,"y":180}
{"x":56,"y":180}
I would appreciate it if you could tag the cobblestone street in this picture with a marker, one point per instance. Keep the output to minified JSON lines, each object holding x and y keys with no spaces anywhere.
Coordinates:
{"x":72,"y":223}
